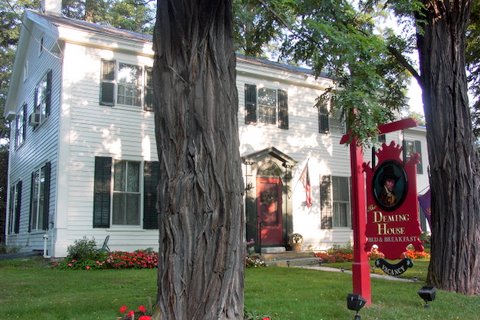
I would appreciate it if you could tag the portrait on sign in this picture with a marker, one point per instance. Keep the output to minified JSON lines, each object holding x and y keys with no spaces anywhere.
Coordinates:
{"x":389,"y":185}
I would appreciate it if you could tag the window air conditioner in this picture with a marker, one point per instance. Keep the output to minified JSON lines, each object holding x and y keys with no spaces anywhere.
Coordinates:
{"x":35,"y":119}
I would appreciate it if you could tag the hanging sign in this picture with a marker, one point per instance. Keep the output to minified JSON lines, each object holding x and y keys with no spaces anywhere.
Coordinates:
{"x":392,"y":206}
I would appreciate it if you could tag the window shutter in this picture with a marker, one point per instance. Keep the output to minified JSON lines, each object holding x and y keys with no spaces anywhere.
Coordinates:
{"x":282,"y":109}
{"x":418,"y":149}
{"x":107,"y":85}
{"x":24,"y":121}
{"x":35,"y":100}
{"x":148,"y":90}
{"x":48,"y":98}
{"x":323,"y":124}
{"x":250,"y":103}
{"x":151,"y":175}
{"x":32,"y":182}
{"x":101,"y":192}
{"x":46,"y":195}
{"x":18,"y":208}
{"x":326,"y":202}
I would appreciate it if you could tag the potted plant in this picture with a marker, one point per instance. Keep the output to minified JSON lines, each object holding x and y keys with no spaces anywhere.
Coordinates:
{"x":296,"y":240}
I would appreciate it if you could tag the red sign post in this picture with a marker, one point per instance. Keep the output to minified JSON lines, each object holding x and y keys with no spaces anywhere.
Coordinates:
{"x":360,"y":266}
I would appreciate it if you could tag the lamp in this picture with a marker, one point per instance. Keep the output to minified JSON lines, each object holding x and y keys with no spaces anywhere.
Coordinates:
{"x":355,"y":302}
{"x":427,"y":293}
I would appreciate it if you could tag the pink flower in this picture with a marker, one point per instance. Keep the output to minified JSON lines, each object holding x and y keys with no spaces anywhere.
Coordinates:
{"x":142,"y":309}
{"x":145,"y":318}
{"x":87,"y":267}
{"x":123,"y":309}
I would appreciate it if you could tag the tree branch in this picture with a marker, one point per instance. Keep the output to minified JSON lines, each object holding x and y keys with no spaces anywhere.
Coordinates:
{"x":404,"y":62}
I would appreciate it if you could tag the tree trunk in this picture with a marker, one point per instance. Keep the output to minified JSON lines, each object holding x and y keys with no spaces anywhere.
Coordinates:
{"x":201,"y":218}
{"x":454,"y":180}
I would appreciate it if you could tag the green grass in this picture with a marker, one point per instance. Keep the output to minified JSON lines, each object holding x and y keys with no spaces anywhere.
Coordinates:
{"x":29,"y":289}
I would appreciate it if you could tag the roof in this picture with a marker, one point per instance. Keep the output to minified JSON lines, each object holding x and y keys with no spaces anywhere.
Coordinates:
{"x":54,"y":24}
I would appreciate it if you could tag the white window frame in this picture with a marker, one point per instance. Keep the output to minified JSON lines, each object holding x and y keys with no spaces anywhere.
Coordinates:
{"x":115,"y":193}
{"x":13,"y":203}
{"x":341,"y":199}
{"x":141,"y":85}
{"x":37,"y":201}
{"x":20,"y":126}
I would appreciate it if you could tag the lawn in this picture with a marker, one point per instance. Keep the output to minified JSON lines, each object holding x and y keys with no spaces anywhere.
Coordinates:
{"x":29,"y":289}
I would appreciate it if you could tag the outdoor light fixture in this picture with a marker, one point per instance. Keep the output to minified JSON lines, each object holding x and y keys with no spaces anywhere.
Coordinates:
{"x":427,"y":293}
{"x":355,"y":302}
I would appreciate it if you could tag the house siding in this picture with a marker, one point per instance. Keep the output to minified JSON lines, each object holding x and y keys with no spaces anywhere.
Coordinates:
{"x":41,"y":143}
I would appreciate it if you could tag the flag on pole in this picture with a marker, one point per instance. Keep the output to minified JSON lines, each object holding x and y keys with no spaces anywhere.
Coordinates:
{"x":424,"y":201}
{"x":305,"y":179}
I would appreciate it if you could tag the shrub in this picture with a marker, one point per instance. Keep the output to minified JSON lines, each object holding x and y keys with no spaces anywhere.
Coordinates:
{"x":83,"y":249}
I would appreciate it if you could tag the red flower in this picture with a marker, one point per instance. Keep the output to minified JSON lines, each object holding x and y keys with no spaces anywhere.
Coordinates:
{"x":123,"y":309}
{"x":142,"y":309}
{"x":145,"y":318}
{"x":266,"y":318}
{"x":131,"y":313}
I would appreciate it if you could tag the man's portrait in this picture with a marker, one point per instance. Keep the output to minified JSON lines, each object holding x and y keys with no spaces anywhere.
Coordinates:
{"x":389,"y":185}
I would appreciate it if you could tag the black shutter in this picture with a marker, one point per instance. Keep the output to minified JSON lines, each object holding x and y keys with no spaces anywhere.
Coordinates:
{"x":418,"y":149}
{"x":323,"y":125}
{"x":46,"y":196}
{"x":18,"y":207}
{"x":250,"y":103}
{"x":282,"y":109}
{"x":24,"y":122}
{"x":326,"y":202}
{"x":48,"y":98}
{"x":32,"y":187}
{"x":151,"y":174}
{"x":101,"y":192}
{"x":107,"y":83}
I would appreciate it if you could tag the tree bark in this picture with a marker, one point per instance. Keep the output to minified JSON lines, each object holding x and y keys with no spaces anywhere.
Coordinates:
{"x":201,"y":218}
{"x":454,"y":180}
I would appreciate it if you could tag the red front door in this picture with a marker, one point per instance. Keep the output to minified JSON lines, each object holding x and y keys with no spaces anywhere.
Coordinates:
{"x":269,"y":209}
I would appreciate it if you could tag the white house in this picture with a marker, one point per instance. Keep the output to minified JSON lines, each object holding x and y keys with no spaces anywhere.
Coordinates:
{"x":83,"y":155}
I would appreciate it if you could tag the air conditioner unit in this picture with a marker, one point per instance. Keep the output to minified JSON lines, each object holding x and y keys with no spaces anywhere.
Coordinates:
{"x":35,"y":119}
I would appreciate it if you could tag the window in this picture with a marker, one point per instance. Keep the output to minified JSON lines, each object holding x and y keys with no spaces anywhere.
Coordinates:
{"x":121,"y":205}
{"x":14,"y":208}
{"x":126,"y":193}
{"x":335,"y":202}
{"x":267,"y":105}
{"x":328,"y":121}
{"x":25,"y":71}
{"x":42,"y":100}
{"x":341,"y":202}
{"x":126,"y":84}
{"x":411,"y":147}
{"x":39,"y":198}
{"x":20,"y":126}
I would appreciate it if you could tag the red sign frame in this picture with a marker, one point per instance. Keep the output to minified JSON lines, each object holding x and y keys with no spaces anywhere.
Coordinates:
{"x":392,"y":205}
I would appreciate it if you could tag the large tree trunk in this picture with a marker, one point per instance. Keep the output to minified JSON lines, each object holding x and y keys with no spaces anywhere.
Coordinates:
{"x":454,"y":181}
{"x":201,"y":219}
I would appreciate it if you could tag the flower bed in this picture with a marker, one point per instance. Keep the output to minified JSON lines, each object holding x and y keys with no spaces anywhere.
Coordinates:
{"x":139,"y":259}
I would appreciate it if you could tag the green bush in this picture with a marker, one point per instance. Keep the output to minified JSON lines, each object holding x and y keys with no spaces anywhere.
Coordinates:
{"x":83,"y":249}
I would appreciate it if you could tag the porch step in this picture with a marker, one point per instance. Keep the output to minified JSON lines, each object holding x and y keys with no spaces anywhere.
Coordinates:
{"x":291,"y":258}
